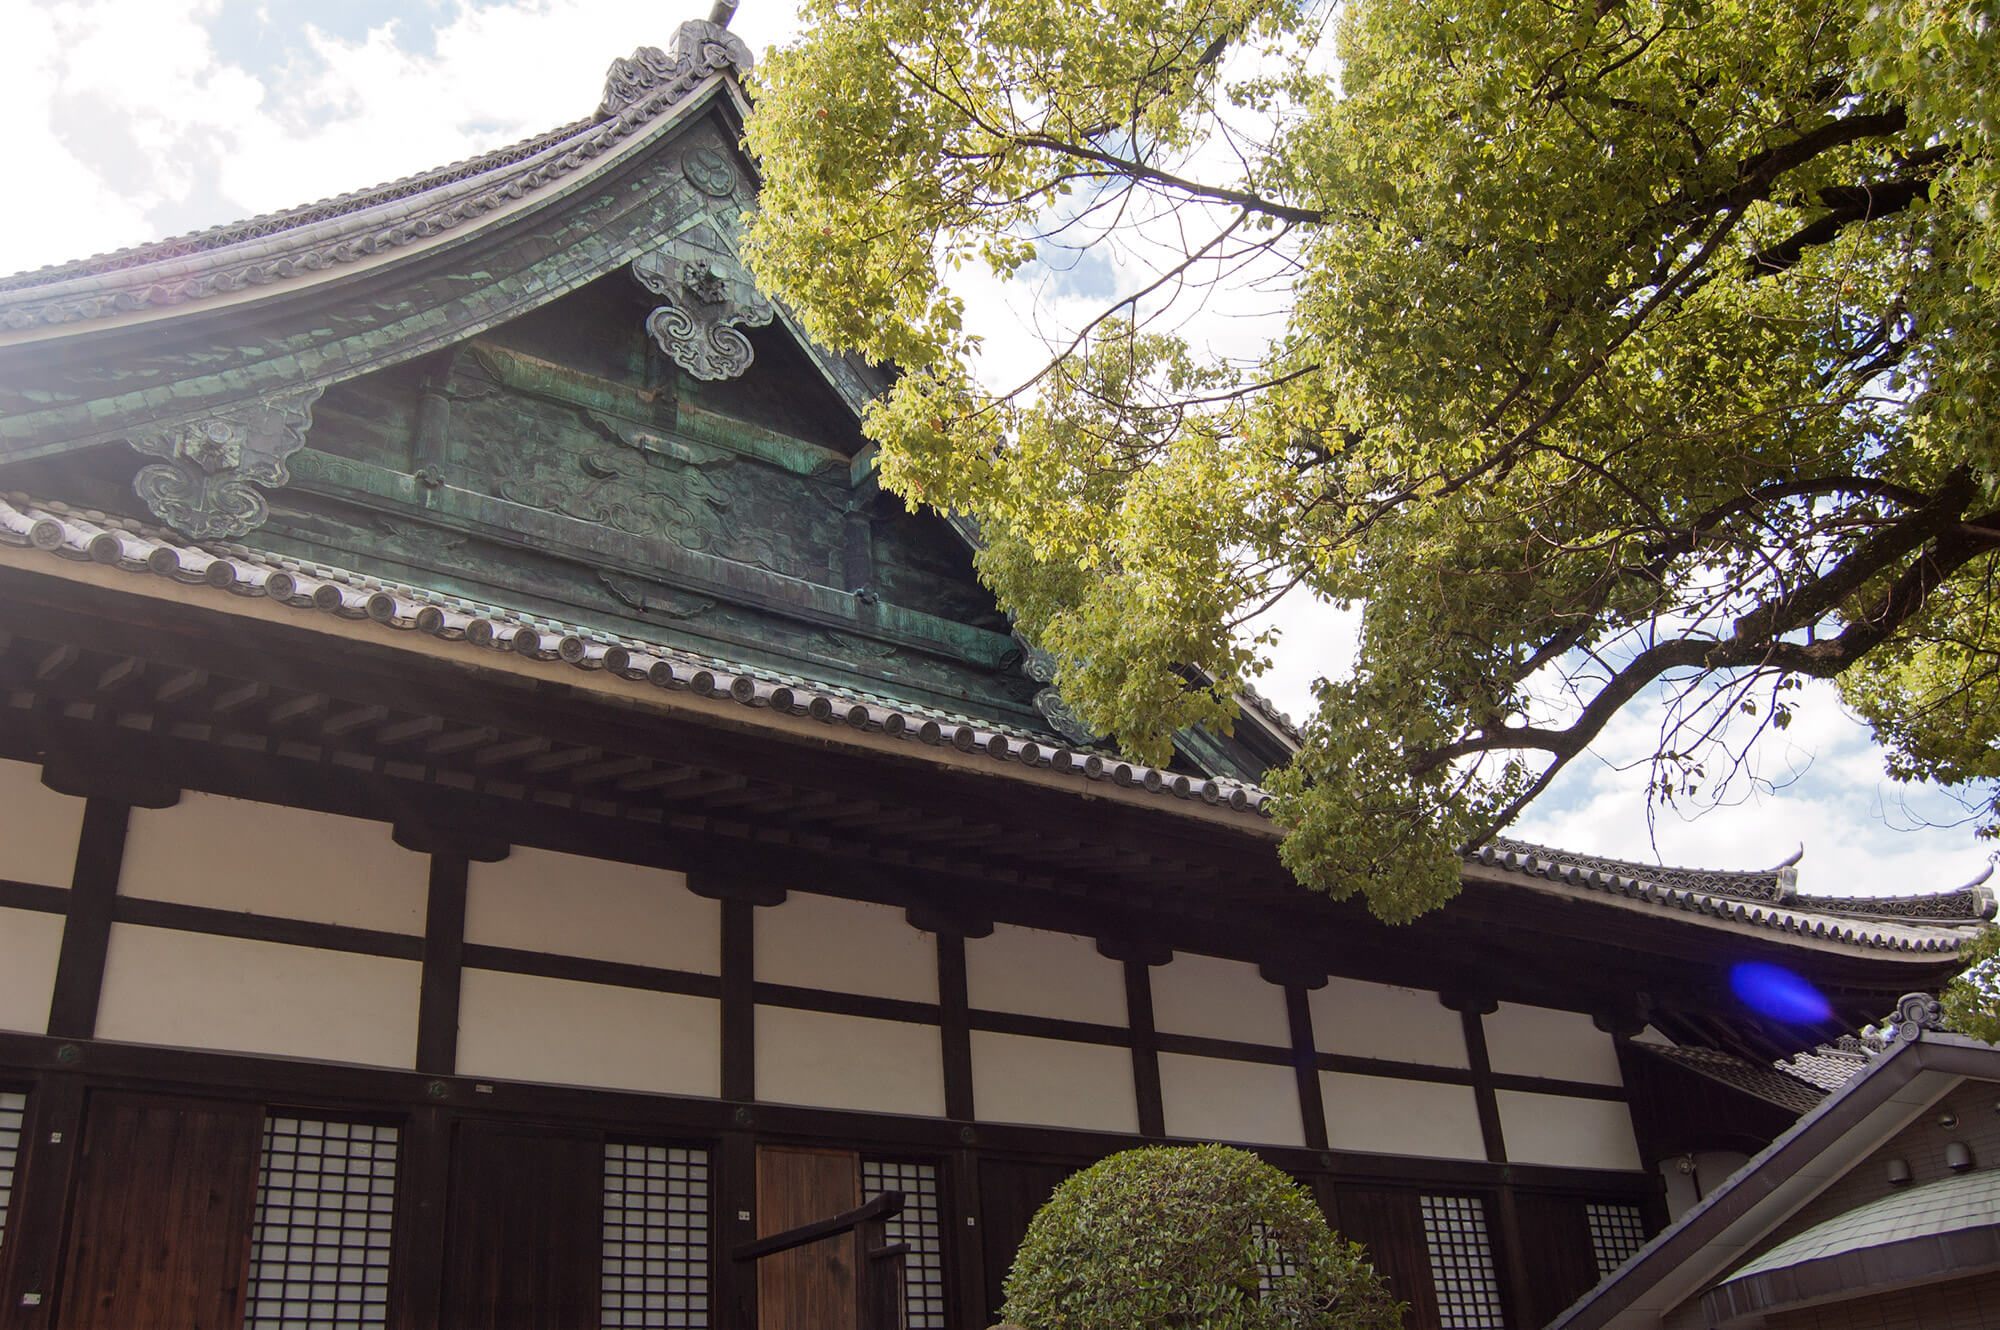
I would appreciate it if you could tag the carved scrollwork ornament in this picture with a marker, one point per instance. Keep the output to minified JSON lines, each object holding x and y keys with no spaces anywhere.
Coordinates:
{"x":1062,"y":719}
{"x":710,"y":297}
{"x":207,"y":486}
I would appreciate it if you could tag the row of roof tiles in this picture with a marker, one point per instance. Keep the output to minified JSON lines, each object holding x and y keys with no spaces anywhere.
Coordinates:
{"x":97,"y":537}
{"x":1637,"y":882}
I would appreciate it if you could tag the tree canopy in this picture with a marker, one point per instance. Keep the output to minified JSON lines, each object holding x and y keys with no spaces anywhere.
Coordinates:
{"x":1626,"y":352}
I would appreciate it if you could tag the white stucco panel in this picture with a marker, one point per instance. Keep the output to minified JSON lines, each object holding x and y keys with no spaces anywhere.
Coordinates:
{"x":524,"y":1027}
{"x":1210,"y":1099}
{"x":538,"y":900}
{"x":1573,"y":1133}
{"x":1379,"y":1021}
{"x":233,"y":854}
{"x":857,"y":1062}
{"x":845,"y":946}
{"x":1389,"y":1116}
{"x":1053,"y":1083}
{"x":1038,"y":973}
{"x":38,"y":828}
{"x":194,"y":990}
{"x":1540,"y":1041}
{"x":30,"y":941}
{"x":1221,"y":999}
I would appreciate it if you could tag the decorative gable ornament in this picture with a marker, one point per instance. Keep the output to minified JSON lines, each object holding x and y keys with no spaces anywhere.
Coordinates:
{"x":709,"y":295}
{"x":207,"y":486}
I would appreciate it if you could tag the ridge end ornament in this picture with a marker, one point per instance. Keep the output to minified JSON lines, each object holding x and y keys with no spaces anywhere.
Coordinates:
{"x":697,"y":49}
{"x":207,"y":486}
{"x":709,"y":298}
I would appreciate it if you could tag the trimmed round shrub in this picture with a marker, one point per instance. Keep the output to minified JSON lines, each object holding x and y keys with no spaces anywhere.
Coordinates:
{"x":1199,"y":1238}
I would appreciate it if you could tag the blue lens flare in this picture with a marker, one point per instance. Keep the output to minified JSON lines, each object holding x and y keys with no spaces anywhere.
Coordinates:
{"x":1774,"y":991}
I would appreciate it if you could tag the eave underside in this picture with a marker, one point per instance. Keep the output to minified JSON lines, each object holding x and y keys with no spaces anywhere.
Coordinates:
{"x":157,"y":692}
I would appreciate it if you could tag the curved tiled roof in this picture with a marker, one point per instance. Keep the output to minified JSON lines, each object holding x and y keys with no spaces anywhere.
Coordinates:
{"x":1761,"y":899}
{"x":359,"y":225}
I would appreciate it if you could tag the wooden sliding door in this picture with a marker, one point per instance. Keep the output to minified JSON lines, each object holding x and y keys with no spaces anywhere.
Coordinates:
{"x":811,"y":1287}
{"x":160,"y":1232}
{"x":523,"y":1237}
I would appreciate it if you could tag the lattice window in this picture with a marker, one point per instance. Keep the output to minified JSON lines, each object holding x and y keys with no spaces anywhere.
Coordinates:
{"x":319,"y":1243}
{"x":655,"y":1238}
{"x":1468,"y":1294}
{"x":921,"y":1224}
{"x":1616,"y":1233}
{"x":13,"y":1108}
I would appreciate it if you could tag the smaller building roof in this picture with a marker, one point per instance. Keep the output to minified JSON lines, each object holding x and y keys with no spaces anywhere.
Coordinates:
{"x":1968,"y":1201}
{"x":1918,"y":1066}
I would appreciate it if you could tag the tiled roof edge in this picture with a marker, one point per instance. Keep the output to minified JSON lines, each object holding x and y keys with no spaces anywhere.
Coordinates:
{"x":1641,"y":884}
{"x":303,"y":240}
{"x":87,"y":536}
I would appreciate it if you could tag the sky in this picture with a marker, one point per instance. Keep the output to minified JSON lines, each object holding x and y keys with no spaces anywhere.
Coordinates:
{"x":130,"y":120}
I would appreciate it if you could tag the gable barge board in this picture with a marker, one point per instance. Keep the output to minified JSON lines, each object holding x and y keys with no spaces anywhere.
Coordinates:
{"x":365,"y":316}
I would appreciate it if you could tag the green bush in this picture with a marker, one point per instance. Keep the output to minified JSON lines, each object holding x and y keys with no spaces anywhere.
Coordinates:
{"x":1203,"y":1238}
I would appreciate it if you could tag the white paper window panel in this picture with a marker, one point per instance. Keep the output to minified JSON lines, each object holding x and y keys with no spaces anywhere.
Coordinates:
{"x":319,"y":1239}
{"x":538,"y":900}
{"x":1367,"y":1020}
{"x":194,"y":990}
{"x":1540,"y":1041}
{"x":525,"y":1027}
{"x":30,"y":941}
{"x":1569,"y":1133}
{"x":1210,"y":1099}
{"x":1384,"y":1115}
{"x":13,"y":1115}
{"x":1034,"y":972}
{"x":845,"y":946}
{"x":1219,"y":999}
{"x":1053,"y":1083}
{"x":655,"y":1269}
{"x":232,"y":854}
{"x":825,"y":1060}
{"x":39,"y":828}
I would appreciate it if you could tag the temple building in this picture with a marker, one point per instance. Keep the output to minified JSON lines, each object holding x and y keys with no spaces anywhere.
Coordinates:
{"x":499,"y":813}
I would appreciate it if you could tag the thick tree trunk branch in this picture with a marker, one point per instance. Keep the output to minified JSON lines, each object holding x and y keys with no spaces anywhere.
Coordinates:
{"x":1938,"y":534}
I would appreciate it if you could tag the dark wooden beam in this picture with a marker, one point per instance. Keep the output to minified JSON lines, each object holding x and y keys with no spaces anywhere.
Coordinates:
{"x":93,"y":892}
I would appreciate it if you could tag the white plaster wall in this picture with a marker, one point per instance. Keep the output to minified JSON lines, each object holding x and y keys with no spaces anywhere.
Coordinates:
{"x":525,"y":1027}
{"x":232,"y":854}
{"x":29,"y":944}
{"x":1221,"y":999}
{"x":1039,"y":973}
{"x":845,"y":946}
{"x":858,"y":1062}
{"x":194,"y":990}
{"x":538,"y":900}
{"x":1379,"y":1021}
{"x":1576,"y":1133}
{"x":1398,"y":1117}
{"x":1053,"y":1083}
{"x":1211,"y":1099}
{"x":1540,"y":1041}
{"x":38,"y":828}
